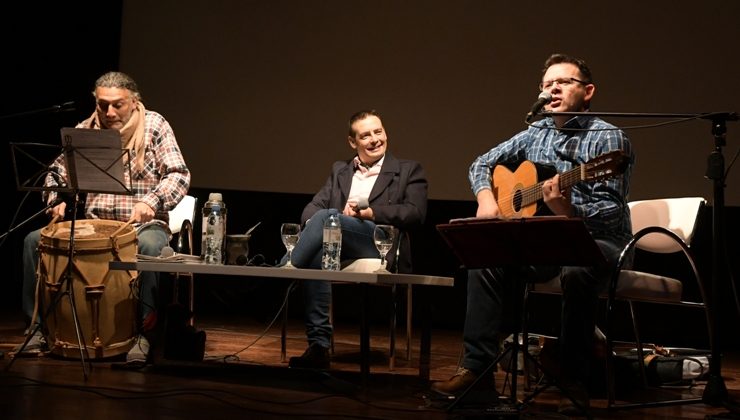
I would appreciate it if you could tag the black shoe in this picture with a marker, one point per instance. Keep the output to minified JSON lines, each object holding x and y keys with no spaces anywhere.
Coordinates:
{"x":315,"y":357}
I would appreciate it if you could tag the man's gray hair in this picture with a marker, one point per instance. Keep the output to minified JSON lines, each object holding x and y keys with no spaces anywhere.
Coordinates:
{"x":116,"y":79}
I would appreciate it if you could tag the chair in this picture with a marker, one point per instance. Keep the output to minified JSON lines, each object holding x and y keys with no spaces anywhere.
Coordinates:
{"x":660,"y":226}
{"x":181,"y":226}
{"x":367,"y":265}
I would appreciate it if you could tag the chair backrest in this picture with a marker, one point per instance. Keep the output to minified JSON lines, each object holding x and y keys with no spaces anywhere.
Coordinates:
{"x":185,"y":210}
{"x":676,"y":214}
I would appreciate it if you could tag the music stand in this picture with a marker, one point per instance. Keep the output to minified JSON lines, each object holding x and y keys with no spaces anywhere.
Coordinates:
{"x":94,"y":162}
{"x":489,"y":243}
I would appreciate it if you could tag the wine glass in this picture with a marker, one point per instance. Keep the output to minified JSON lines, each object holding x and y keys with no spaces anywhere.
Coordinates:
{"x":384,"y":235}
{"x":289,"y":232}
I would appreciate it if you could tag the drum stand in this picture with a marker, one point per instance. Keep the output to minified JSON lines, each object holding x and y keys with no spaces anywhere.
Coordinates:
{"x":67,"y":285}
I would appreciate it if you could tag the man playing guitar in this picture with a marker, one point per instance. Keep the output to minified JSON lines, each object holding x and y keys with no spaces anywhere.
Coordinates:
{"x":569,"y":144}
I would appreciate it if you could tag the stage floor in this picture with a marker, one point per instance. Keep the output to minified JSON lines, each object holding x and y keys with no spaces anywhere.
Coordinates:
{"x":242,"y":376}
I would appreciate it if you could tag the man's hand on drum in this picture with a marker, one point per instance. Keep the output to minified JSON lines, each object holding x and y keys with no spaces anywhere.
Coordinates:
{"x":58,"y":210}
{"x":142,"y":213}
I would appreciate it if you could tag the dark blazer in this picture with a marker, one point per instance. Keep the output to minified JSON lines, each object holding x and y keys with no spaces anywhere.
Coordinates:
{"x":398,"y":198}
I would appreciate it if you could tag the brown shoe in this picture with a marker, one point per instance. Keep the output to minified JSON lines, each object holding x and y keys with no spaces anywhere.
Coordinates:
{"x":459,"y":382}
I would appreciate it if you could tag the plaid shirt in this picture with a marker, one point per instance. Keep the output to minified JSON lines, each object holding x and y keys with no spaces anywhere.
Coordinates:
{"x":602,"y":204}
{"x":161,"y":184}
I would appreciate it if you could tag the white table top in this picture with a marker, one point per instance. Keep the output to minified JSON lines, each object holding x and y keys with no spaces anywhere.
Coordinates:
{"x":285,"y":273}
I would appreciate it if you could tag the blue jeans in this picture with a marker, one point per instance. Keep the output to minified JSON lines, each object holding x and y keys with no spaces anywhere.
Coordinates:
{"x":151,"y":240}
{"x":357,"y":242}
{"x":489,"y":290}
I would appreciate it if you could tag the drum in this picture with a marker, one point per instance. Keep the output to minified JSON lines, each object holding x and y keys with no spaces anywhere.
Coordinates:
{"x":103,"y":298}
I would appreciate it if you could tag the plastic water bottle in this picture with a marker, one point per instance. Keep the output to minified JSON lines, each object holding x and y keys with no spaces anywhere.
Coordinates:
{"x":332,"y":244}
{"x":213,"y":229}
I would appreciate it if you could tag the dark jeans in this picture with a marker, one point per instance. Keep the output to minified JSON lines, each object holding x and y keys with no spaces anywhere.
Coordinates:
{"x":357,"y":242}
{"x":489,"y":292}
{"x":151,"y":240}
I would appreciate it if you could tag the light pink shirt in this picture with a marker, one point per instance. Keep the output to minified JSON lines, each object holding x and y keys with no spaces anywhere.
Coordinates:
{"x":363,"y":181}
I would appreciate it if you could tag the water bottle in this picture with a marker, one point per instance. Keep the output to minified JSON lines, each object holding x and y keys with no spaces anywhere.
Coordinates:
{"x":332,"y":244}
{"x":213,"y":229}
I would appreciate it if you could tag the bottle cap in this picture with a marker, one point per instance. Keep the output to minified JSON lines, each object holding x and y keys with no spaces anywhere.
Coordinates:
{"x":215,"y":197}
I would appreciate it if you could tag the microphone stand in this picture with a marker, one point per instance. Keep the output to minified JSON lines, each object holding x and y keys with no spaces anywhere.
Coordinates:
{"x":35,"y":215}
{"x":725,"y":116}
{"x":66,"y":106}
{"x":715,"y":392}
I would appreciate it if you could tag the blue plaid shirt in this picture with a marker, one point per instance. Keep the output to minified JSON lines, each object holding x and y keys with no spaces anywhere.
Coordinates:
{"x":602,"y":204}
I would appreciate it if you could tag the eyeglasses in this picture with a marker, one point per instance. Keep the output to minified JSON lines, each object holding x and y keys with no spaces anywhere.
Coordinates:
{"x":563,"y":82}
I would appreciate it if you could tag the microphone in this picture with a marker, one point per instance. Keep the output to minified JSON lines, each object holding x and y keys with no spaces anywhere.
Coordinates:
{"x":167,"y":252}
{"x":543,"y":99}
{"x":67,"y":106}
{"x":362,"y":203}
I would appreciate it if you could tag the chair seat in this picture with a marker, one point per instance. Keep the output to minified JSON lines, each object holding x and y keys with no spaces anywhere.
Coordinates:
{"x":632,"y":285}
{"x":363,"y":265}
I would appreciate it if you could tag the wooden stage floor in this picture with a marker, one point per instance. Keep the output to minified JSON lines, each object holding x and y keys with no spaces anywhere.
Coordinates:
{"x":242,"y":377}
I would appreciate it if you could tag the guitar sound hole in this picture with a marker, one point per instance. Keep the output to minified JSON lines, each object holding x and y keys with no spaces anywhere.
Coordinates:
{"x":517,"y":201}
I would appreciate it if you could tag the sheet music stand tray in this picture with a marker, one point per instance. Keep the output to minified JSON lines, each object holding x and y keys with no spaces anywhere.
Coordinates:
{"x":94,"y":161}
{"x":539,"y":240}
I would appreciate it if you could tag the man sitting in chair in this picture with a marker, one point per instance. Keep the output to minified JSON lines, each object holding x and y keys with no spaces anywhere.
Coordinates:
{"x":396,"y":192}
{"x":160,"y":180}
{"x":562,"y":142}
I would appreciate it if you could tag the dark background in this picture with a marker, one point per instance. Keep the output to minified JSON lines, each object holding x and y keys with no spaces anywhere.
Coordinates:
{"x":52,"y":54}
{"x":263,"y":86}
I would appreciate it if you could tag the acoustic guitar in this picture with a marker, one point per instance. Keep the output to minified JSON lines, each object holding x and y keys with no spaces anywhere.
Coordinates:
{"x":518,"y":192}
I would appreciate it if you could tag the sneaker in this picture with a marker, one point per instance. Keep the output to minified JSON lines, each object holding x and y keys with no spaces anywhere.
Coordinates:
{"x":138,"y":353}
{"x":37,"y":344}
{"x":462,"y":380}
{"x":315,"y":357}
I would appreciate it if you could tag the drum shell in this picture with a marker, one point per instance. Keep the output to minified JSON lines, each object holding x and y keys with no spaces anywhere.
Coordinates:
{"x":103,"y":298}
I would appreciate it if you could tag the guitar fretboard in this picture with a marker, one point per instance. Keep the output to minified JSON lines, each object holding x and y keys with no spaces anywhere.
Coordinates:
{"x":533,"y":193}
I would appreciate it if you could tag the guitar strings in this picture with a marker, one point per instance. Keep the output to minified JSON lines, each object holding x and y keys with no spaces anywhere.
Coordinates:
{"x":532,"y":193}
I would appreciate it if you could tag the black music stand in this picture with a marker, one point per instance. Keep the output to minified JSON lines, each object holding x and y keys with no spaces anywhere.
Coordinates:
{"x":489,"y":243}
{"x":94,"y":162}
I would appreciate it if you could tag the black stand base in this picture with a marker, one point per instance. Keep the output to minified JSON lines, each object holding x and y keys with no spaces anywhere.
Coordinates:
{"x":715,"y":393}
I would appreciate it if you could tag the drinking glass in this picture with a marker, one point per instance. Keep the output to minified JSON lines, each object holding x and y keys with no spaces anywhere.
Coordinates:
{"x":384,"y":236}
{"x":290,"y":232}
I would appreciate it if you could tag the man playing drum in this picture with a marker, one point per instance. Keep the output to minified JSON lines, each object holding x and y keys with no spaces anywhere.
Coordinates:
{"x":160,"y":179}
